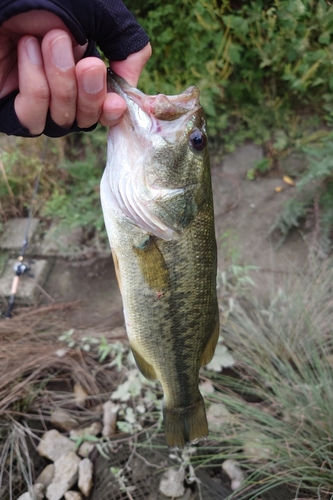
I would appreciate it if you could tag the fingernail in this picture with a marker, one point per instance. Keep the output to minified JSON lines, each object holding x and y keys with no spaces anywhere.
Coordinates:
{"x":33,"y":51}
{"x":93,"y":80}
{"x":62,"y":52}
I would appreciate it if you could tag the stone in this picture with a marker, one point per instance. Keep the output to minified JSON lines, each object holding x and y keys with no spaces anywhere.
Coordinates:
{"x":14,"y":234}
{"x":85,"y":449}
{"x":92,"y":430}
{"x":63,"y":419}
{"x":234,"y":471}
{"x":28,"y":289}
{"x":255,"y":446}
{"x":219,"y":418}
{"x":72,"y":495}
{"x":36,"y":494}
{"x":65,"y":475}
{"x":85,"y":481}
{"x":46,"y":476}
{"x":172,"y":483}
{"x":110,"y":411}
{"x":80,"y":395}
{"x":53,"y":445}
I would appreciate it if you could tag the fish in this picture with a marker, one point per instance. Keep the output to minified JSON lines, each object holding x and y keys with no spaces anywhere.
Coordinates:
{"x":157,"y":202}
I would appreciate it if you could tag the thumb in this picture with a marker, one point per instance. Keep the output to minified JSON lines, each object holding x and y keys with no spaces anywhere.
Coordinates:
{"x":130,"y":69}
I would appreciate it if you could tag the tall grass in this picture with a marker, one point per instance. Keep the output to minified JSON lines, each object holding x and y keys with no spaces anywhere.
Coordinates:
{"x":281,"y":394}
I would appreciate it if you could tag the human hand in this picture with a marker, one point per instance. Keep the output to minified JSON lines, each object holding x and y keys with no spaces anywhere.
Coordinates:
{"x":40,"y":57}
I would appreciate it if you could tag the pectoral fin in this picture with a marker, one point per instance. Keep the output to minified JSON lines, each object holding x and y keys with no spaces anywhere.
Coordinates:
{"x":211,"y":344}
{"x":152,"y":264}
{"x":116,"y":267}
{"x":145,"y":368}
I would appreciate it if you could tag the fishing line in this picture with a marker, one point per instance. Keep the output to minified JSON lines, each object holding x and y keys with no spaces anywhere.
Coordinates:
{"x":21,"y":267}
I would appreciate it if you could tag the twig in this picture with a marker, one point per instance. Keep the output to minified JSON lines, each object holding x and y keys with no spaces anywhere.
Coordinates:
{"x":41,"y":289}
{"x":146,"y":461}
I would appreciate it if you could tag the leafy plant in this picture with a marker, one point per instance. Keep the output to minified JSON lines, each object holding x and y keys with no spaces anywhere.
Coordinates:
{"x":75,"y":201}
{"x":313,"y":199}
{"x":255,"y":62}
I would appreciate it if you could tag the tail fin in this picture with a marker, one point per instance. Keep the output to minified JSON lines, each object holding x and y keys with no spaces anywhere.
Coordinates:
{"x":184,"y":425}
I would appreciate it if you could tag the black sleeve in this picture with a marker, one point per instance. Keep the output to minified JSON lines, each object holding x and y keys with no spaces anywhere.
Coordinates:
{"x":106,"y":22}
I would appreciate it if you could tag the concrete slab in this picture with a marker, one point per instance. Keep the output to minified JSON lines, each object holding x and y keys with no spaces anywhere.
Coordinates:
{"x":3,"y":261}
{"x":60,"y":241}
{"x":14,"y":234}
{"x":29,"y":287}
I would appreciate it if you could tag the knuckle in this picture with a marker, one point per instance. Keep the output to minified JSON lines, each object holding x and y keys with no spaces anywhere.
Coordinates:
{"x":88,"y":115}
{"x":66,"y":95}
{"x":41,"y":93}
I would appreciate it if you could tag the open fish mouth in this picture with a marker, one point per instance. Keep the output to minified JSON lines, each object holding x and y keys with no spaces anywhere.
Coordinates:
{"x":153,"y":114}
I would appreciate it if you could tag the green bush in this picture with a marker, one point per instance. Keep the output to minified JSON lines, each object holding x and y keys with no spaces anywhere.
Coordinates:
{"x":255,"y":62}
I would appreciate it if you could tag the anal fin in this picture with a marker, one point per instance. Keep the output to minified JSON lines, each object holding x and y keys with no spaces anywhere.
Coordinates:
{"x":145,"y":368}
{"x":208,"y":353}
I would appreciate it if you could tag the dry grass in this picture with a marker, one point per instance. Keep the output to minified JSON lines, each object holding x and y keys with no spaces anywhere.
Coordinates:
{"x":37,"y":375}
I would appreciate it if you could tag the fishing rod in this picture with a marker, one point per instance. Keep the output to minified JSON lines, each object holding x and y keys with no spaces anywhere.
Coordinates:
{"x":21,"y":267}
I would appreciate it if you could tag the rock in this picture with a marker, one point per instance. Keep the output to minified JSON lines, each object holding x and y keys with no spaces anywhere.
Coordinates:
{"x":85,"y":476}
{"x":60,"y":418}
{"x":222,"y":359}
{"x":256,"y":446}
{"x":172,"y":483}
{"x":38,"y":489}
{"x":46,"y":476}
{"x":92,"y":430}
{"x":80,"y":395}
{"x":110,"y":411}
{"x":72,"y":495}
{"x":54,"y":444}
{"x":85,"y":449}
{"x":237,"y":476}
{"x":36,"y":494}
{"x":219,"y":417}
{"x":65,"y":475}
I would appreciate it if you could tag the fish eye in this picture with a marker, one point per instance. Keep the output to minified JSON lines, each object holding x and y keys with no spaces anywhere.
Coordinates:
{"x":197,"y":140}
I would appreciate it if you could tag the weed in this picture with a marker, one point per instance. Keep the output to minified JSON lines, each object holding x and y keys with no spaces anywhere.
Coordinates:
{"x":313,"y":199}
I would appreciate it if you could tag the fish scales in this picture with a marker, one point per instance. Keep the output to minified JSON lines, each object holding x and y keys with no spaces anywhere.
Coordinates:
{"x":167,"y":275}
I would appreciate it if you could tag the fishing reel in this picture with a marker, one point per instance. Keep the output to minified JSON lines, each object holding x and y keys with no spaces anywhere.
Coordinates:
{"x":20,"y":267}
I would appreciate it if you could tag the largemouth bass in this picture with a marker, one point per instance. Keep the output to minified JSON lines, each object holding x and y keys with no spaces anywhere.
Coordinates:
{"x":158,"y":210}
